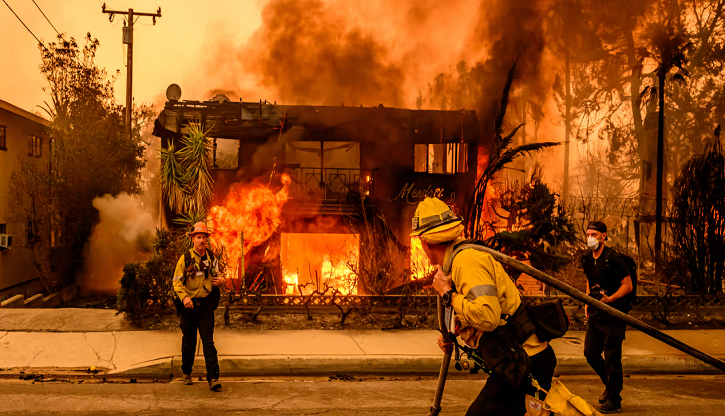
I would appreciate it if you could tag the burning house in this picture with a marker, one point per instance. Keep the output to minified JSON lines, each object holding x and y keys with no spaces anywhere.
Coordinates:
{"x":304,"y":195}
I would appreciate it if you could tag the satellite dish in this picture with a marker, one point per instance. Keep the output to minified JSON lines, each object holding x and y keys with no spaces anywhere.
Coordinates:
{"x":173,"y":93}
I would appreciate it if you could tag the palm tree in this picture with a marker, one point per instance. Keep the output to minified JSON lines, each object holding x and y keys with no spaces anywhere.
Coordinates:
{"x":500,"y":156}
{"x":670,"y":46}
{"x":186,"y":182}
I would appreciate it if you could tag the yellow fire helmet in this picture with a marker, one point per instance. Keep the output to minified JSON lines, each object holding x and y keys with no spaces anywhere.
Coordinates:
{"x":433,"y":215}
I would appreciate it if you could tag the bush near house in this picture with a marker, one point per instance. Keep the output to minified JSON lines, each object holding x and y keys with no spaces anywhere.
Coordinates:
{"x":146,"y":288}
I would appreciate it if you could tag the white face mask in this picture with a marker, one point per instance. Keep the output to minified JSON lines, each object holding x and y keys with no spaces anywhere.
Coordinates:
{"x":593,"y":243}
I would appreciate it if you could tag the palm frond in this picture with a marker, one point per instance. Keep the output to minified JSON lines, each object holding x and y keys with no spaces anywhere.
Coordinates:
{"x":512,"y":154}
{"x":648,"y":96}
{"x":498,"y":124}
{"x":195,"y":159}
{"x":509,"y":137}
{"x":172,"y":178}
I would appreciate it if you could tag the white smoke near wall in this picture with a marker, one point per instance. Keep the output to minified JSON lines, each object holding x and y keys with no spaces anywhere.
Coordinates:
{"x":124,"y":234}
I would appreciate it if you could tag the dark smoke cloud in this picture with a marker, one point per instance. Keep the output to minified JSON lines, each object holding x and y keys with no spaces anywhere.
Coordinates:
{"x":311,"y":55}
{"x":516,"y":30}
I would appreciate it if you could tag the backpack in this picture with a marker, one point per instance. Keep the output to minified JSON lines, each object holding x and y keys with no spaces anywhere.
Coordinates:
{"x":548,"y":316}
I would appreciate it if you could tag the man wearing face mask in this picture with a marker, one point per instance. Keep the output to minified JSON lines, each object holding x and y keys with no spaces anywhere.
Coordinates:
{"x":608,"y":280}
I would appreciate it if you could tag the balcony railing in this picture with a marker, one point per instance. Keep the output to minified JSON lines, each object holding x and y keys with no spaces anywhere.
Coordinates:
{"x":329,"y":183}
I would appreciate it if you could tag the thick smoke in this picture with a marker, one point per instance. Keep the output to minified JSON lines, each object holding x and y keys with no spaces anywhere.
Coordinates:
{"x":338,"y":52}
{"x":124,"y":234}
{"x":412,"y":54}
{"x":311,"y":54}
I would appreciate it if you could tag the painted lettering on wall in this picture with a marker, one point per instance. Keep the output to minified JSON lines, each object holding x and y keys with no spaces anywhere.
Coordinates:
{"x":410,"y":194}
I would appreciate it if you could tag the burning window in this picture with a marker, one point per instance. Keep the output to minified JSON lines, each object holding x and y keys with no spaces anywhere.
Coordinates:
{"x":319,"y":262}
{"x":441,"y":158}
{"x":226,"y":154}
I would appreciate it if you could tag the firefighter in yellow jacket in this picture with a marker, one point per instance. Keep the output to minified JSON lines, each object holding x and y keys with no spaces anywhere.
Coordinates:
{"x":484,"y":300}
{"x":196,"y":283}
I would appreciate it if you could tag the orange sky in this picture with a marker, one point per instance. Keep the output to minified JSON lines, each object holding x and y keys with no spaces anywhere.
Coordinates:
{"x":203,"y":45}
{"x":167,"y":53}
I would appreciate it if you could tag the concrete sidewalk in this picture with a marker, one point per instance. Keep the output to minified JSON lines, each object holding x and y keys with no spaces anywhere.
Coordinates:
{"x":308,"y":352}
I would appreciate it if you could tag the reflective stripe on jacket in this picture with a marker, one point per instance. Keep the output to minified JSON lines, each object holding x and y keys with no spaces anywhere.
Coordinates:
{"x":485,"y":292}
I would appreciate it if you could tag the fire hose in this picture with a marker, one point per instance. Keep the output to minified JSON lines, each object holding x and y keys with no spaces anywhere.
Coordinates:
{"x":576,"y":294}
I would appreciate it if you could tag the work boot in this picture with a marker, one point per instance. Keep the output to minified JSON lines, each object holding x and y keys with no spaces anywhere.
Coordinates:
{"x":603,"y":397}
{"x":187,"y":380}
{"x":215,"y":385}
{"x":610,"y":406}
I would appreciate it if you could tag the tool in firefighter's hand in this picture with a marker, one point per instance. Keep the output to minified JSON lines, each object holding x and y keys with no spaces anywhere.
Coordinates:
{"x":435,"y":408}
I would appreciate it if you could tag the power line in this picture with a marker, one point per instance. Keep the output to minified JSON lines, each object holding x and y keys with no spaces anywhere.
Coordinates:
{"x":21,"y":21}
{"x":46,"y":17}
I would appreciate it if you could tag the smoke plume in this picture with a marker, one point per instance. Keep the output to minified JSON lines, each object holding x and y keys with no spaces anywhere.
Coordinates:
{"x":124,"y":234}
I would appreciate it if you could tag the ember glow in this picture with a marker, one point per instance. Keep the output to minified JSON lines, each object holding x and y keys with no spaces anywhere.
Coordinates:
{"x":319,"y":262}
{"x":253,"y":209}
{"x":419,"y":264}
{"x":291,"y":281}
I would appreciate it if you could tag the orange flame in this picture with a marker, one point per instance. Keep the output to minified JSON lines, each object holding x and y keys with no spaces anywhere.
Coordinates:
{"x":291,"y":281}
{"x":419,"y":264}
{"x":252,"y":209}
{"x":320,"y":262}
{"x":340,"y":276}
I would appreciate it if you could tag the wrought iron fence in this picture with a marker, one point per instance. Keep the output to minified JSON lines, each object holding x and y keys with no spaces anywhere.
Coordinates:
{"x":330,"y":183}
{"x":426,"y":303}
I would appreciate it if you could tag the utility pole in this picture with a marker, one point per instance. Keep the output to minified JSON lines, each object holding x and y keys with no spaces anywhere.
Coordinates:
{"x":128,"y":40}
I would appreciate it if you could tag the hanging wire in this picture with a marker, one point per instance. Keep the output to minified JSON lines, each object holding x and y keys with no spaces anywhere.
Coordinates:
{"x":46,"y":17}
{"x":26,"y":26}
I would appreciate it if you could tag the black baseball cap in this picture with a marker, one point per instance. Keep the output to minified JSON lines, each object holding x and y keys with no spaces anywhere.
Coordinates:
{"x":597,"y":226}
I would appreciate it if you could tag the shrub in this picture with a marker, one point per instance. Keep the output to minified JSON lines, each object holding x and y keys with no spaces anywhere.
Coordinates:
{"x":146,"y":288}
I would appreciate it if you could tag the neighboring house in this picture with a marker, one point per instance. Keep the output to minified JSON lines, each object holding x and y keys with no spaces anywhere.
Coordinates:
{"x":22,"y":134}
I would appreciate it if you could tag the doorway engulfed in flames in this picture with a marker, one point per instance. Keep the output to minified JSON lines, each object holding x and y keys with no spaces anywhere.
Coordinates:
{"x":322,"y":262}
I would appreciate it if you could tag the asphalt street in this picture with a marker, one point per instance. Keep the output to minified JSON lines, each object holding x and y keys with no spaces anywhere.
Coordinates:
{"x":652,"y":395}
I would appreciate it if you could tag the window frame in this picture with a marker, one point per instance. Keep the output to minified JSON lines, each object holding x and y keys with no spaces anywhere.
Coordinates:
{"x":35,"y":146}
{"x":3,"y":137}
{"x":454,"y":159}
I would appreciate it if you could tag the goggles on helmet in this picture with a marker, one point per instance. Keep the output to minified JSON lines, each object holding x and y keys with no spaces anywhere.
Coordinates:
{"x":433,"y":221}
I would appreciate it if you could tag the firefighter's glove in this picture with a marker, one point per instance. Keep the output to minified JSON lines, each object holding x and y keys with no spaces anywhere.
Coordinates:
{"x":442,"y":282}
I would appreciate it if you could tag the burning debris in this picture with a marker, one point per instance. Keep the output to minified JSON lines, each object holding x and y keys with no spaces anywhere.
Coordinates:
{"x":248,"y":218}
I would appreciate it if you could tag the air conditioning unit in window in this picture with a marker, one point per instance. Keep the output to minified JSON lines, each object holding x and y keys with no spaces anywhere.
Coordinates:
{"x":6,"y":241}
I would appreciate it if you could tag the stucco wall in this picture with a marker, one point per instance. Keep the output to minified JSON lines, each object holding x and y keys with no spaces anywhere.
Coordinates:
{"x":16,"y":263}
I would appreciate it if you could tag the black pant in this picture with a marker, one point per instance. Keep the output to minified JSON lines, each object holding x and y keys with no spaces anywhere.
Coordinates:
{"x":605,"y":335}
{"x":201,"y":319}
{"x":499,"y":398}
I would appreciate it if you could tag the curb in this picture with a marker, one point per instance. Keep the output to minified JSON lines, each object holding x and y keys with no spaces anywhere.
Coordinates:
{"x":284,"y":365}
